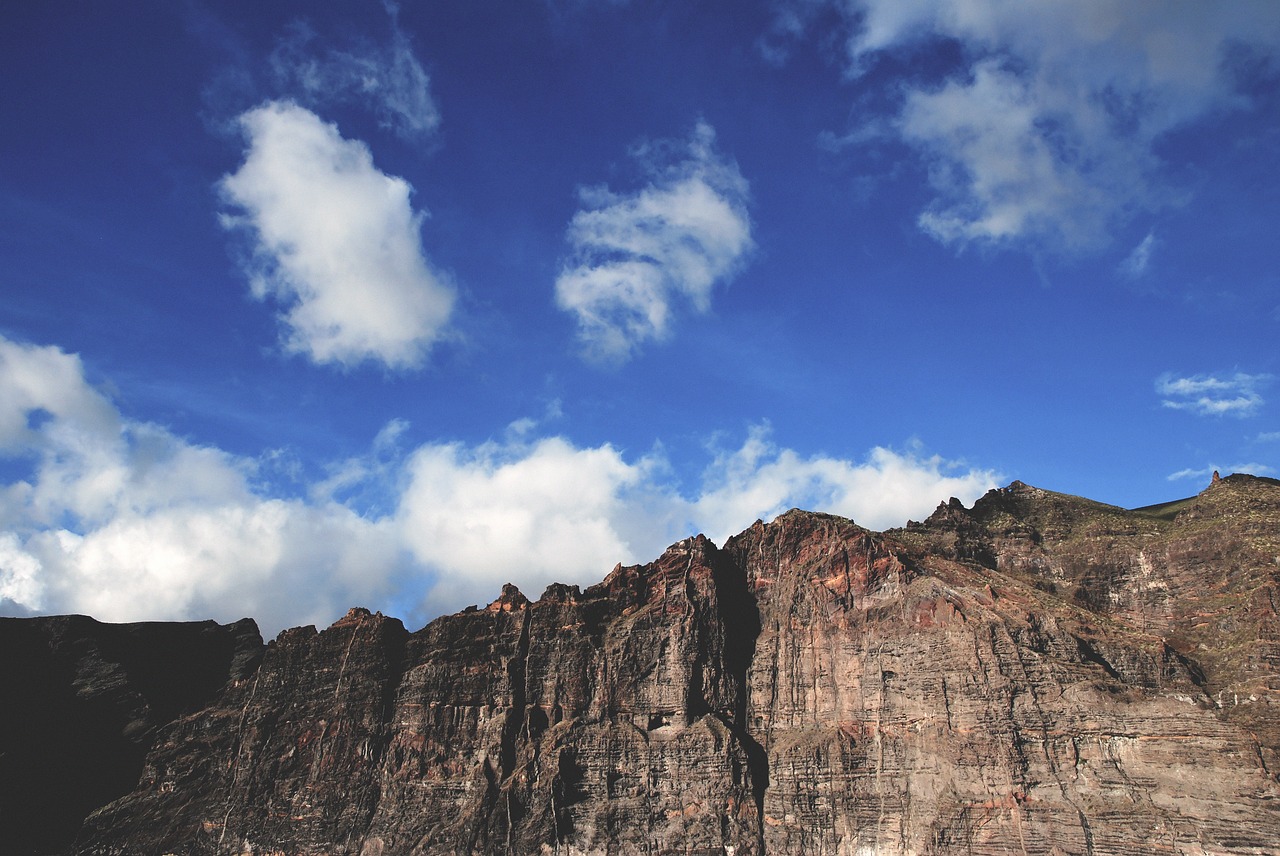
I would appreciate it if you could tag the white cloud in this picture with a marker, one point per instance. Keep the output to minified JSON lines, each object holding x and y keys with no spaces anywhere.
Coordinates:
{"x":998,"y":175}
{"x":389,"y":80}
{"x":1049,"y":133}
{"x":19,"y":574}
{"x":337,"y":243}
{"x":1209,"y":395}
{"x":1206,"y":473}
{"x":551,"y":511}
{"x":639,"y":258}
{"x":760,"y":480}
{"x":532,"y":514}
{"x":38,"y":383}
{"x":281,"y":562}
{"x":125,"y":521}
{"x":792,"y":19}
{"x":1135,"y":264}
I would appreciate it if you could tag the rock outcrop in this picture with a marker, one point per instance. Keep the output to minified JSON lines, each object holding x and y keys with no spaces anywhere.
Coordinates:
{"x":1036,"y":674}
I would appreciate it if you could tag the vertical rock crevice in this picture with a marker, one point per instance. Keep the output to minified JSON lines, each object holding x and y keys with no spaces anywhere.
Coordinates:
{"x":740,"y":619}
{"x":514,"y":723}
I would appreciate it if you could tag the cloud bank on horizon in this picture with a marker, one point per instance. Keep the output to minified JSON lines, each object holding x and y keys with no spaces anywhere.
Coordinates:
{"x":862,"y":222}
{"x":124,"y":521}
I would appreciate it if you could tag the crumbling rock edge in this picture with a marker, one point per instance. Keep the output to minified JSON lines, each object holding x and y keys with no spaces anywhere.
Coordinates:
{"x":1039,"y":673}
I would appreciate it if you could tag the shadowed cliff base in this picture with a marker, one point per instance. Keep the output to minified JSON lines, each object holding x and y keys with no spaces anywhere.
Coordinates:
{"x":82,"y":704}
{"x":1039,"y":673}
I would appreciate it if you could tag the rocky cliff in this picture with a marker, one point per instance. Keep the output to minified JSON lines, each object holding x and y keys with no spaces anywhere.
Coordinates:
{"x":1036,"y":674}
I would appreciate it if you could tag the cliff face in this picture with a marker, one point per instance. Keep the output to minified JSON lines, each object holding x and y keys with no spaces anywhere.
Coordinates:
{"x":1037,"y":674}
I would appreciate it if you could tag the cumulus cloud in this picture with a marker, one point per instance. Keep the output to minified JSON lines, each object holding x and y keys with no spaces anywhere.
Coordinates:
{"x":124,"y":520}
{"x":638,"y":258}
{"x":386,"y":79}
{"x":761,"y":480}
{"x":550,"y":511}
{"x":1049,"y":130}
{"x":20,"y":582}
{"x":336,"y":243}
{"x":534,"y":513}
{"x":1209,"y":395}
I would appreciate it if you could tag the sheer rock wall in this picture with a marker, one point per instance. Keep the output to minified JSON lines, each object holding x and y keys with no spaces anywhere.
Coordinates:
{"x":1037,"y":674}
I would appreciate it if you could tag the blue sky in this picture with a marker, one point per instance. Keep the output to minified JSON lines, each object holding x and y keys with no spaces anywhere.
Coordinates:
{"x":310,"y":305}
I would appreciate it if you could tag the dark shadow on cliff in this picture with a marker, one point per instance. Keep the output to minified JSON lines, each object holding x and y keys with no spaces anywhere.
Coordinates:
{"x":81,"y":705}
{"x":741,"y":621}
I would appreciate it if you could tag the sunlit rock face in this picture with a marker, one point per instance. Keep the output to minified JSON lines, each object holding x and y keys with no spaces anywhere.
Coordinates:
{"x":1036,"y":674}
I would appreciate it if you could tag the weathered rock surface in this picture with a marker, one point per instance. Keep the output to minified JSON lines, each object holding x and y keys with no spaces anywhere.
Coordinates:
{"x":1036,"y":674}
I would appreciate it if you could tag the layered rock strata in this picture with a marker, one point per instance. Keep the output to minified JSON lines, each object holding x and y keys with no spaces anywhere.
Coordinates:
{"x":1037,"y":674}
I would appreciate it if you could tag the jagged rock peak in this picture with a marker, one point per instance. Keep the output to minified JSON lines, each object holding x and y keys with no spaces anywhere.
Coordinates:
{"x":510,"y":600}
{"x":1015,"y":490}
{"x":358,"y":616}
{"x":1024,"y":501}
{"x":1245,"y":481}
{"x":1236,"y":497}
{"x":951,"y":512}
{"x":561,"y":593}
{"x":698,"y":545}
{"x":355,"y":615}
{"x":797,"y":523}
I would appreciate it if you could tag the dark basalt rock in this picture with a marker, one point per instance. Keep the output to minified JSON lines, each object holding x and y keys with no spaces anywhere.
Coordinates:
{"x":1036,"y":674}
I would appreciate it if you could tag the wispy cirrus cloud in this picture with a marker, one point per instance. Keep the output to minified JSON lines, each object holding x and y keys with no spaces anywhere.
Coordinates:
{"x":387,"y":79}
{"x":1139,"y":259}
{"x":336,"y":243}
{"x":1211,"y":395}
{"x":1205,"y":473}
{"x":1046,"y":132}
{"x":638,"y":257}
